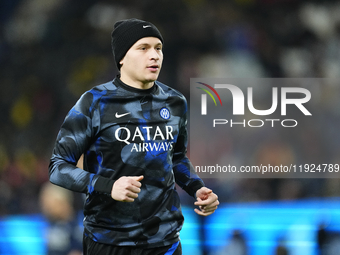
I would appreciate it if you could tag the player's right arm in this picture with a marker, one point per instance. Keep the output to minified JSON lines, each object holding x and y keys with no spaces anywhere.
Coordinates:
{"x":72,"y":141}
{"x":74,"y":138}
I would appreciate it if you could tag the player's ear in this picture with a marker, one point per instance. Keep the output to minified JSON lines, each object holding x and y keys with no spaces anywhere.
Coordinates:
{"x":122,"y":61}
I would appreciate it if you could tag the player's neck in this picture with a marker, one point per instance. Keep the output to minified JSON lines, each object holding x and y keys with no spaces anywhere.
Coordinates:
{"x":135,"y":83}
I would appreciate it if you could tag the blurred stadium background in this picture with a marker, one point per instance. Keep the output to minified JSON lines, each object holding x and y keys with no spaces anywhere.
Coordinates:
{"x":51,"y":51}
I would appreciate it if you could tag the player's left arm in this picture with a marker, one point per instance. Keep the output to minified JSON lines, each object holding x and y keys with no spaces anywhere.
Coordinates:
{"x":187,"y":179}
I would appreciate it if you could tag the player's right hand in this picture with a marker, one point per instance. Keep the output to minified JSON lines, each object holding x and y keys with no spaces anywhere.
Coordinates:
{"x":126,"y":188}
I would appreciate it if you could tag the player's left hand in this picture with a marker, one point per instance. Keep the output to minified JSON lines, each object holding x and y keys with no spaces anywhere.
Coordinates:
{"x":207,"y":201}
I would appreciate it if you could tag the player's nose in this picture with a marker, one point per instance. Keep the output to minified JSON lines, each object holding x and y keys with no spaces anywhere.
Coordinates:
{"x":154,"y":54}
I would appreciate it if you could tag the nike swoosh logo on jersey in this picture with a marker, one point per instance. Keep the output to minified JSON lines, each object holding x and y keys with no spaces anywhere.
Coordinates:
{"x":146,"y":26}
{"x":121,"y":115}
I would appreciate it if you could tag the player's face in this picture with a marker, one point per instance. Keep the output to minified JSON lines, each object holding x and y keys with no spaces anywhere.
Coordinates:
{"x":142,"y":63}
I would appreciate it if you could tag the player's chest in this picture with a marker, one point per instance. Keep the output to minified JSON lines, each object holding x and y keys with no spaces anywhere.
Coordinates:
{"x":140,"y":121}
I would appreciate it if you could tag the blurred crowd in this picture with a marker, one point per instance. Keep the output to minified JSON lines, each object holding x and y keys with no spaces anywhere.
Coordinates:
{"x":51,"y":51}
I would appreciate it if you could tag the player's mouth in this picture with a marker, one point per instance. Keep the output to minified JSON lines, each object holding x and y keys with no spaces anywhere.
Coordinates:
{"x":153,"y":68}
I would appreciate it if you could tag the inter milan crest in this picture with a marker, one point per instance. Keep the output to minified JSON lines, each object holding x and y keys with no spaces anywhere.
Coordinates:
{"x":165,"y":113}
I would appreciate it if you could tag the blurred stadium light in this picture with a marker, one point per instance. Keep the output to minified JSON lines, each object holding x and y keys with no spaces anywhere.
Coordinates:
{"x":264,"y":226}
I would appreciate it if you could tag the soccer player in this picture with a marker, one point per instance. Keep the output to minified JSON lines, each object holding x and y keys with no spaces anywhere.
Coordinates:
{"x":133,"y":134}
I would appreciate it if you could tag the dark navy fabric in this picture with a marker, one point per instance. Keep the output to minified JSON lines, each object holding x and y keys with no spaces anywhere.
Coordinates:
{"x":92,"y":248}
{"x":124,"y":131}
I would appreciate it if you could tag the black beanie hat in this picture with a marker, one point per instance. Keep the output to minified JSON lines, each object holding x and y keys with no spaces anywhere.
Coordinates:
{"x":127,"y":32}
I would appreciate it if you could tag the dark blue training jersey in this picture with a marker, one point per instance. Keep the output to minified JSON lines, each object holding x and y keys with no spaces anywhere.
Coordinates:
{"x":124,"y":131}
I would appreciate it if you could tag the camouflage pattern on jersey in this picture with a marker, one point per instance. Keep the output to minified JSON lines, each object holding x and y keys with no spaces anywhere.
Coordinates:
{"x":123,"y":131}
